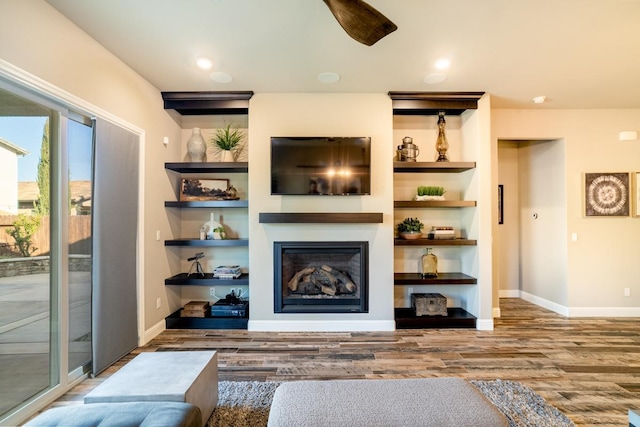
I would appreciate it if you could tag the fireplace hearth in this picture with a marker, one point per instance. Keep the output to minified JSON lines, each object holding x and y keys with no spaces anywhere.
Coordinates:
{"x":321,"y":277}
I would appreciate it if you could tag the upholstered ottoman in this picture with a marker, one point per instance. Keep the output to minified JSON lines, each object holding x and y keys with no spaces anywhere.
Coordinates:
{"x":428,"y":402}
{"x":130,"y":414}
{"x":170,"y":376}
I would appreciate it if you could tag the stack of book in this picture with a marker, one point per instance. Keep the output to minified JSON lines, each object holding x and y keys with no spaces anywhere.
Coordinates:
{"x":442,"y":233}
{"x":227,"y":272}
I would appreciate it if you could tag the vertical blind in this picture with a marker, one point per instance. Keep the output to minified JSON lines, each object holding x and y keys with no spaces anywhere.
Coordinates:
{"x":115,"y":231}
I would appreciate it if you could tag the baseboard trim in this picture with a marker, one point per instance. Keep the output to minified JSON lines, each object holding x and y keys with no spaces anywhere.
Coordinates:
{"x":509,"y":293}
{"x":573,"y":311}
{"x":321,"y":326}
{"x":153,"y":332}
{"x":484,"y":325}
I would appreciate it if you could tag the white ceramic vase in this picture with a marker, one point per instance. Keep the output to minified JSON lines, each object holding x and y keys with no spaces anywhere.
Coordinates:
{"x":226,"y":156}
{"x":196,"y":147}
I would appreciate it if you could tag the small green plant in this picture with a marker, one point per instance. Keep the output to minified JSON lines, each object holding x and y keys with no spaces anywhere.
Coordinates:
{"x":425,"y":190}
{"x":410,"y":225}
{"x":221,"y":232}
{"x":24,"y":227}
{"x":227,"y":138}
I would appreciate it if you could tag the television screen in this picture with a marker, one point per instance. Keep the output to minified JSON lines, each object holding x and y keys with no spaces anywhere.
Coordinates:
{"x":320,"y":165}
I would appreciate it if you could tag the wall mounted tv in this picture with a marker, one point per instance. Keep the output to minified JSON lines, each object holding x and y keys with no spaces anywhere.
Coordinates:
{"x":320,"y":166}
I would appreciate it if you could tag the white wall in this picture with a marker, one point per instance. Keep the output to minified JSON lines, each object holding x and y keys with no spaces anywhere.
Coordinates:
{"x":542,"y":218}
{"x":321,"y":115}
{"x":36,"y":39}
{"x":603,"y":261}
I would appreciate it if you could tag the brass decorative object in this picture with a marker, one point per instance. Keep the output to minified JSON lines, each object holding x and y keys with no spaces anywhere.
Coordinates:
{"x":441,"y":143}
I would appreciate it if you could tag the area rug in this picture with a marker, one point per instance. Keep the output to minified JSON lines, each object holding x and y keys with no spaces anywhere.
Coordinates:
{"x":246,"y":404}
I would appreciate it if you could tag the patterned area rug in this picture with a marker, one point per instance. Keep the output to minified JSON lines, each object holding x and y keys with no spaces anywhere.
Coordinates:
{"x":246,"y":404}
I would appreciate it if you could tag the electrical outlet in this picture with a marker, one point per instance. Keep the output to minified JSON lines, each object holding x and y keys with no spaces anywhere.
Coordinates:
{"x":627,"y":292}
{"x":159,"y":302}
{"x":212,"y":292}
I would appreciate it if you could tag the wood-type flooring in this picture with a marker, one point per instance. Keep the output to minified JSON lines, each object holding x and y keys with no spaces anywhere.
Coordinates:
{"x":589,"y":368}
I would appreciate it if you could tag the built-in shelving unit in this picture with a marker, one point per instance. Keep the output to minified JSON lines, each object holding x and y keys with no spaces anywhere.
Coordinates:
{"x":174,"y":321}
{"x":430,"y":103}
{"x":401,"y":279}
{"x":208,"y":204}
{"x":320,"y":217}
{"x":184,"y":279}
{"x":206,"y":243}
{"x":203,"y":104}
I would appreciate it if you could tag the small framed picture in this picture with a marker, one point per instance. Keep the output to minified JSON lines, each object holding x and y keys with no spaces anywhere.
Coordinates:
{"x":192,"y":189}
{"x":500,"y":204}
{"x":607,"y":194}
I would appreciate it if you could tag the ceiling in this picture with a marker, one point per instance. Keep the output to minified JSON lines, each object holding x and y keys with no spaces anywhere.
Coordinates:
{"x":577,"y":53}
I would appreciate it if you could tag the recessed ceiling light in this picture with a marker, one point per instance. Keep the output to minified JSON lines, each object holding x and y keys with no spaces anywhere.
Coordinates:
{"x":442,"y":64}
{"x":220,"y":77}
{"x":329,"y":77}
{"x":204,"y":63}
{"x":434,"y":78}
{"x":539,"y":99}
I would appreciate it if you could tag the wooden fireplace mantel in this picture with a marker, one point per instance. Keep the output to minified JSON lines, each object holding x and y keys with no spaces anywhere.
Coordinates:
{"x":320,"y":217}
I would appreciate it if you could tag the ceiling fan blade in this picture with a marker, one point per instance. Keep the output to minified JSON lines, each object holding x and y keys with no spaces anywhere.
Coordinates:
{"x":361,"y":21}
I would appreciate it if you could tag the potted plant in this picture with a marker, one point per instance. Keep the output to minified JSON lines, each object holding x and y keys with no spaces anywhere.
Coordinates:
{"x":227,"y":142}
{"x":410,"y":228}
{"x":426,"y":192}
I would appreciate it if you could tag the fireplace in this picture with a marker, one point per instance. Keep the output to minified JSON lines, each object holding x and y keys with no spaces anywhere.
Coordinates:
{"x":321,"y":277}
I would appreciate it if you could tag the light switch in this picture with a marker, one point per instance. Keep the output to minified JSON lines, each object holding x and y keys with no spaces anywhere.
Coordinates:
{"x":574,"y":237}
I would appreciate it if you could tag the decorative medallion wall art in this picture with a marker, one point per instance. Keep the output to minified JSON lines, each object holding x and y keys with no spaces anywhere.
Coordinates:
{"x":607,"y":194}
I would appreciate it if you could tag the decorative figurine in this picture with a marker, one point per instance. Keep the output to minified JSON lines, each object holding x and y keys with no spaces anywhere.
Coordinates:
{"x":441,"y":143}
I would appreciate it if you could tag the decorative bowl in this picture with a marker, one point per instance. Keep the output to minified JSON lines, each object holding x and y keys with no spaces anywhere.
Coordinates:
{"x":411,"y":235}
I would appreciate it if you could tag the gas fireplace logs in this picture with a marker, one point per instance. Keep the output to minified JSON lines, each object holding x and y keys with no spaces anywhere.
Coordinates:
{"x":324,"y":280}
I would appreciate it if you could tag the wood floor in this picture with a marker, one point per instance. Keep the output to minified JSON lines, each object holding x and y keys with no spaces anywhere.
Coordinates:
{"x":589,"y":368}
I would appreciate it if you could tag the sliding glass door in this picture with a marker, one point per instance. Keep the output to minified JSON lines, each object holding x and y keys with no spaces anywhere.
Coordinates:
{"x":45,"y":246}
{"x":80,"y":173}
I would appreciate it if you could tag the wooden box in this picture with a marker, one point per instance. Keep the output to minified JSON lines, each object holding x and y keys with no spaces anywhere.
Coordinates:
{"x":195,"y":309}
{"x":429,"y":304}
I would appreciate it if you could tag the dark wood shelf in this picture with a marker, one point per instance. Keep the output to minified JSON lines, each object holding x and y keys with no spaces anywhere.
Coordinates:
{"x":401,"y":279}
{"x":430,"y":103}
{"x":204,"y":103}
{"x":208,"y":280}
{"x":320,"y":217}
{"x":208,"y":204}
{"x":174,"y":321}
{"x":456,"y":318}
{"x":434,"y":242}
{"x":205,"y":243}
{"x":208,"y":167}
{"x":434,"y":167}
{"x":398,"y":204}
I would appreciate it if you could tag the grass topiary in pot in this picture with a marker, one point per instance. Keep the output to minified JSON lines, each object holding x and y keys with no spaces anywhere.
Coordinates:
{"x":410,"y":228}
{"x":425,"y":192}
{"x":227,"y":141}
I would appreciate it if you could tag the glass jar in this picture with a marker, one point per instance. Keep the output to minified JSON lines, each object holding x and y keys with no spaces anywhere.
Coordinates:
{"x":429,"y":264}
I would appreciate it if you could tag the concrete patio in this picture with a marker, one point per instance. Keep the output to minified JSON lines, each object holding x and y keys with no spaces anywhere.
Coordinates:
{"x":25,"y":335}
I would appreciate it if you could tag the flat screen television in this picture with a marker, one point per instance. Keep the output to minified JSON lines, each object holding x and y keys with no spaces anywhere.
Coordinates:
{"x":320,"y":166}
